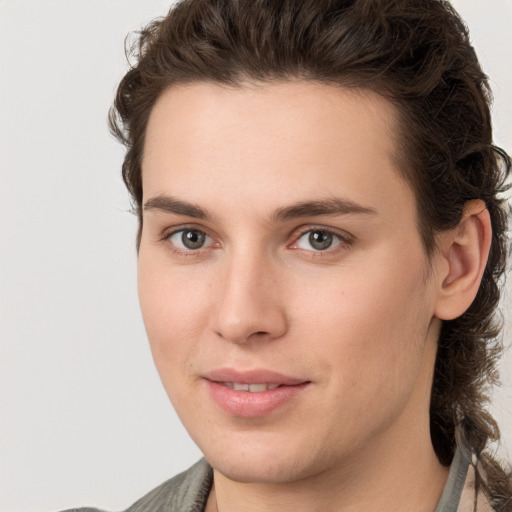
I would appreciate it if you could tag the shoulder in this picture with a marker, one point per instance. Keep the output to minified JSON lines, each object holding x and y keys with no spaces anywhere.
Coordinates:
{"x":186,"y":492}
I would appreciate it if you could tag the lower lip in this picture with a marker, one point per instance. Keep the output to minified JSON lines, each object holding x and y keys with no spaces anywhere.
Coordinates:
{"x":248,"y":404}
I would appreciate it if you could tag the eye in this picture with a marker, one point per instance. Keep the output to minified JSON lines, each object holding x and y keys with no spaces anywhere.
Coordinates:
{"x":318,"y":240}
{"x":189,"y":239}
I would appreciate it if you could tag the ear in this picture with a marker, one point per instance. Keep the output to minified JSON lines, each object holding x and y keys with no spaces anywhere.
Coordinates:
{"x":463,"y":252}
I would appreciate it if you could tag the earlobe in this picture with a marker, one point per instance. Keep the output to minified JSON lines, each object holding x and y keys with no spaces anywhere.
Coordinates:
{"x":465,"y":250}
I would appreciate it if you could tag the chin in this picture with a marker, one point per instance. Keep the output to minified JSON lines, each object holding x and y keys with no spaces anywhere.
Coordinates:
{"x":258,"y":471}
{"x":262,"y":462}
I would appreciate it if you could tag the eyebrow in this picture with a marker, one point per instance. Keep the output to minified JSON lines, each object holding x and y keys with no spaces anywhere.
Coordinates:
{"x":330,"y":206}
{"x":168,"y":204}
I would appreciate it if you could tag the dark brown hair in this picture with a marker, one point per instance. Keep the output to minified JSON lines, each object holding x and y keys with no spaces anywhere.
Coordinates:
{"x":417,"y":54}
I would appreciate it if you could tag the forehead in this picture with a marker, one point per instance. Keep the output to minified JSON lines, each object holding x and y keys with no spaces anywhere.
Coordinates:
{"x":277,"y":141}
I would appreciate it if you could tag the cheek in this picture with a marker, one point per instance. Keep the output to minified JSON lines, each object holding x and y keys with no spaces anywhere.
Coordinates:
{"x":370,"y":328}
{"x":369,"y":301}
{"x":175,"y":311}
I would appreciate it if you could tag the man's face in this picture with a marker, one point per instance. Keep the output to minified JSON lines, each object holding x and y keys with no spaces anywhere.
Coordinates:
{"x":280,"y":248}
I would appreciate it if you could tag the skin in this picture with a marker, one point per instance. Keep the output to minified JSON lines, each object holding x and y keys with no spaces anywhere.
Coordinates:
{"x":359,"y":321}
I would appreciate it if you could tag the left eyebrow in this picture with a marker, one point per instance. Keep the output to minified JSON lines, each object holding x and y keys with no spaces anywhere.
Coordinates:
{"x":331,"y":206}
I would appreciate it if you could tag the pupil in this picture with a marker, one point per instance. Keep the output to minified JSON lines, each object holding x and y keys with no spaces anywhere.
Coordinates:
{"x":320,"y":240}
{"x":192,"y":239}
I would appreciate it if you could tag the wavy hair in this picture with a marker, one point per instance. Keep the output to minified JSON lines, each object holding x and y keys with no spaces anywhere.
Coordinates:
{"x":418,"y":55}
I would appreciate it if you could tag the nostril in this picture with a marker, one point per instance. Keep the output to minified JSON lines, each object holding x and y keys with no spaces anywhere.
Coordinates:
{"x":259,"y":334}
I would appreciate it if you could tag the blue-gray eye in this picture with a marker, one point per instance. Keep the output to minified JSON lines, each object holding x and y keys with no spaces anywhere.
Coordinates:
{"x":190,"y":239}
{"x":318,"y":240}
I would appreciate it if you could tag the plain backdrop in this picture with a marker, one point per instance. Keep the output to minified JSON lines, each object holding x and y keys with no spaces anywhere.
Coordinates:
{"x":84,"y":419}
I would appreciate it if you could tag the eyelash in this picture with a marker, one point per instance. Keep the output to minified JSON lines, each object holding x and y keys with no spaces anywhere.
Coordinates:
{"x":344,"y":241}
{"x":183,"y":229}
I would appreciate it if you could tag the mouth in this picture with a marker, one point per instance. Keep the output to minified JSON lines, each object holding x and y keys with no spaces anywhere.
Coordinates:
{"x":253,"y":394}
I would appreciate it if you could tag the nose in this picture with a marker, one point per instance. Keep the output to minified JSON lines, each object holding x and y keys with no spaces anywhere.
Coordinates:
{"x":248,"y":305}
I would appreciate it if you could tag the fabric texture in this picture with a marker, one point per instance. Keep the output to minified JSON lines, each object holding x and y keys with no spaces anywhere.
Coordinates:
{"x":188,"y":491}
{"x":459,"y":494}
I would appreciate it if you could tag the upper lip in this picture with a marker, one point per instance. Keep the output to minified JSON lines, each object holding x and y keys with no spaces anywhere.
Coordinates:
{"x":256,"y":376}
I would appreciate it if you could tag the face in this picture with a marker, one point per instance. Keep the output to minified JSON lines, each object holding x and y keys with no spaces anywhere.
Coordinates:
{"x":282,"y":278}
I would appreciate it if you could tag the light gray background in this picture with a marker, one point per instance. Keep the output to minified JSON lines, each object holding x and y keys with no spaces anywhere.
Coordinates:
{"x":84,"y":420}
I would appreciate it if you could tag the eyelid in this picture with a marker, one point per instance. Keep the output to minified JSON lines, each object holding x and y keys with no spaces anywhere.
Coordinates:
{"x":345,"y":238}
{"x":170,"y":232}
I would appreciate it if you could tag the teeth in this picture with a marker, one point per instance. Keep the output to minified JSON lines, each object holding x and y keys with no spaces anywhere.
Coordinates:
{"x":252,"y":388}
{"x":256,"y":388}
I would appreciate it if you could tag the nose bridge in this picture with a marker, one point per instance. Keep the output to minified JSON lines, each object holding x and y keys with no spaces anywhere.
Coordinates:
{"x":248,"y":302}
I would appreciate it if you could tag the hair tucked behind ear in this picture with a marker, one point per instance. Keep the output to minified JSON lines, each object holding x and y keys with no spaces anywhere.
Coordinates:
{"x":417,"y":54}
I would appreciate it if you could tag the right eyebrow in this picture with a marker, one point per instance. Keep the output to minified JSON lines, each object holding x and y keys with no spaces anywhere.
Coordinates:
{"x":169,"y":204}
